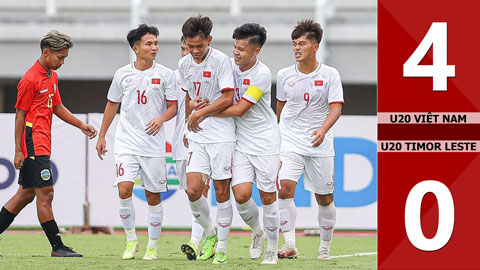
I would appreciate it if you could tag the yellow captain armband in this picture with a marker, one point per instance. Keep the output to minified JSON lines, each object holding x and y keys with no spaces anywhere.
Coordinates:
{"x":254,"y":92}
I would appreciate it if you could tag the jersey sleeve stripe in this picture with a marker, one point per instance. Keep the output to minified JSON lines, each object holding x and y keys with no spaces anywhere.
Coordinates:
{"x":226,"y":89}
{"x":282,"y":101}
{"x":113,"y":101}
{"x":184,"y":90}
{"x":248,"y":101}
{"x":171,"y":100}
{"x":336,"y":102}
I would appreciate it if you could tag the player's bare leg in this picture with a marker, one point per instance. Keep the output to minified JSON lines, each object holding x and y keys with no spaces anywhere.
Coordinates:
{"x":11,"y":209}
{"x":45,"y":216}
{"x":126,"y":211}
{"x":326,"y":221}
{"x":201,"y":211}
{"x":224,"y":218}
{"x":155,"y":220}
{"x":288,"y":216}
{"x":248,"y":210}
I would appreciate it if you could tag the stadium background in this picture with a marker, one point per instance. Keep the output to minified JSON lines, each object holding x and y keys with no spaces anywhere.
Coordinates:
{"x":99,"y":27}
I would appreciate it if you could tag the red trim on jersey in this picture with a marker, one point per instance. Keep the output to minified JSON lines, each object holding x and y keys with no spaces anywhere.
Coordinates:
{"x":184,"y":90}
{"x":248,"y":101}
{"x":226,"y":89}
{"x":336,"y":102}
{"x":113,"y":101}
{"x":173,"y":100}
{"x":282,"y":101}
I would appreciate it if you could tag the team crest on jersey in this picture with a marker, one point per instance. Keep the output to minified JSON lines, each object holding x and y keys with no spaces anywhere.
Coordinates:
{"x":155,"y":81}
{"x":318,"y":82}
{"x":291,"y":84}
{"x":207,"y":74}
{"x":45,"y":174}
{"x":246,"y":81}
{"x":54,"y":88}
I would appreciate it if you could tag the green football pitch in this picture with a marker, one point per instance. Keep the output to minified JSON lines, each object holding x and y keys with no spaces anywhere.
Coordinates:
{"x":32,"y":251}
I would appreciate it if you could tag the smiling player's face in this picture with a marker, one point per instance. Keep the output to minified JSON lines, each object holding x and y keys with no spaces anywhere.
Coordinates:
{"x":146,"y":48}
{"x":243,"y":52}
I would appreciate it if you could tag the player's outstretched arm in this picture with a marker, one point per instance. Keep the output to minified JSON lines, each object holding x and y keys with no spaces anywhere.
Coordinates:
{"x":226,"y":100}
{"x":332,"y":117}
{"x":110,"y":110}
{"x":63,"y":113}
{"x":19,"y":126}
{"x":154,"y":126}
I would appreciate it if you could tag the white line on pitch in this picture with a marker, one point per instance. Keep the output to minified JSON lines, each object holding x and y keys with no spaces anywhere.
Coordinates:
{"x":354,"y":255}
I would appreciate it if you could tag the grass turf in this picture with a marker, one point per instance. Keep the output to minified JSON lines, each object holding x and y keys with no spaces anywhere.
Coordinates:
{"x":28,"y":251}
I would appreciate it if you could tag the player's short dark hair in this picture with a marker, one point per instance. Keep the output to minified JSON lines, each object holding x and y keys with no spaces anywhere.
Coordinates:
{"x":256,"y":34}
{"x":136,"y":34}
{"x":182,"y":39}
{"x":197,"y":26}
{"x":311,"y":29}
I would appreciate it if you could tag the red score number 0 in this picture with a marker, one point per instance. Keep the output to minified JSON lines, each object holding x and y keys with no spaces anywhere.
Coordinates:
{"x":439,"y":71}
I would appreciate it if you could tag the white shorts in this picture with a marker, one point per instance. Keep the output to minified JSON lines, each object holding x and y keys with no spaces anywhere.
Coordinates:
{"x":213,"y":159}
{"x":319,"y":171}
{"x":181,"y":167}
{"x":260,"y":170}
{"x":153,"y":172}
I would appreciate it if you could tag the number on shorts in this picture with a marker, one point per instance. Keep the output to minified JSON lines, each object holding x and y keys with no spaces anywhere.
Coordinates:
{"x":120,"y":170}
{"x":189,"y":158}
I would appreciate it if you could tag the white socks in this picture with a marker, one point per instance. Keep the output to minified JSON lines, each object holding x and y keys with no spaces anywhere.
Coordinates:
{"x":201,"y":212}
{"x":288,"y":217}
{"x":155,"y":220}
{"x":249,"y":213}
{"x":197,"y":232}
{"x":127,"y":216}
{"x":224,"y":221}
{"x":271,"y":221}
{"x":326,"y":219}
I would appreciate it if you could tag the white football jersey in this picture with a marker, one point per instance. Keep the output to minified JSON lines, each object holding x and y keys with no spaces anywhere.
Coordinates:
{"x":257,"y":130}
{"x":308,"y":97}
{"x":179,"y":151}
{"x":144,"y":96}
{"x":208,"y":80}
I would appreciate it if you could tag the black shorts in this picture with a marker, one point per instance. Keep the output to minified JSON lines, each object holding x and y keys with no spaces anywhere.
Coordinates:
{"x":36,"y":172}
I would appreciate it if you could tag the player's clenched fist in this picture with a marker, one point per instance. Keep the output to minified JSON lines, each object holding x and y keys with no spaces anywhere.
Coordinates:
{"x":18,"y":160}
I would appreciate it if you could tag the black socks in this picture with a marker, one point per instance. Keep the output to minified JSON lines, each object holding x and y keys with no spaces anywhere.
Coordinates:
{"x":53,"y":234}
{"x":6,"y":218}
